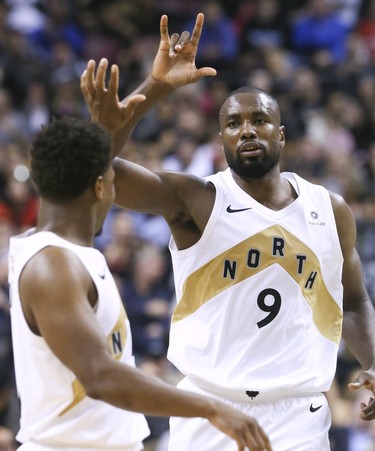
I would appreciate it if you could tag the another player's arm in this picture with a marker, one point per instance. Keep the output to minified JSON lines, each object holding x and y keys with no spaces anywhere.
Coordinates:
{"x":185,"y":201}
{"x":359,"y":314}
{"x":58,"y":296}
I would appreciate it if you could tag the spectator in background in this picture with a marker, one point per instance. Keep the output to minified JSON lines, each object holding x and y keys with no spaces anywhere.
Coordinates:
{"x":60,"y":24}
{"x":13,"y":124}
{"x":7,"y":440}
{"x":369,"y":166}
{"x":147,"y":295}
{"x":19,"y":66}
{"x":37,"y":105}
{"x":21,"y":198}
{"x":119,"y":243}
{"x":25,"y":16}
{"x":366,"y":28}
{"x":190,"y":157}
{"x":266,"y":27}
{"x":319,"y":35}
{"x":219,"y":45}
{"x":7,"y":385}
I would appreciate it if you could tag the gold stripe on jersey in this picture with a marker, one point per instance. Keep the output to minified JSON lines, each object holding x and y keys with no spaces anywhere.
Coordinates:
{"x":78,"y":394}
{"x":116,"y":342}
{"x":208,"y":281}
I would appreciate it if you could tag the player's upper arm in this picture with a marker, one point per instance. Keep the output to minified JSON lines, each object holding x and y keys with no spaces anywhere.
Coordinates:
{"x":55,"y":291}
{"x":166,"y":193}
{"x":352,"y":277}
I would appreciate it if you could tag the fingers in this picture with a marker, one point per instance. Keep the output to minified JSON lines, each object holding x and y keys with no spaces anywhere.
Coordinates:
{"x":177,"y":42}
{"x":87,"y":78}
{"x":368,"y":411}
{"x":184,"y":39}
{"x":364,"y":380}
{"x":197,"y":29}
{"x":261,"y":439}
{"x":172,"y":45}
{"x":256,"y":440}
{"x":164,"y":37}
{"x":113,"y":80}
{"x":91,"y":82}
{"x":164,"y":28}
{"x":100,"y":75}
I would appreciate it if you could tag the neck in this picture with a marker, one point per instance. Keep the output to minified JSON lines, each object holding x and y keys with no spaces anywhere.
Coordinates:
{"x":271,"y":190}
{"x":71,"y":221}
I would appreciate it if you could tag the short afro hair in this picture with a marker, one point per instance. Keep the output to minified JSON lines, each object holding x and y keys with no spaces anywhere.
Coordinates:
{"x":67,"y":156}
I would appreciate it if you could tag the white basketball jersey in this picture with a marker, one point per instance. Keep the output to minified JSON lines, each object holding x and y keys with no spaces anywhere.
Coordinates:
{"x":259,"y":296}
{"x":55,"y":410}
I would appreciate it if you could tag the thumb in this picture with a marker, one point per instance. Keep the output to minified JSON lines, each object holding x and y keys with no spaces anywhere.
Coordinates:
{"x":133,"y":100}
{"x":204,"y":72}
{"x":361,"y":381}
{"x":356,"y":385}
{"x":127,"y":108}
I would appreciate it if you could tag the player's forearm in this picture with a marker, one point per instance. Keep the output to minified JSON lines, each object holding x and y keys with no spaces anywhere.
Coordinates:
{"x":154,"y":91}
{"x":359,"y":333}
{"x":132,"y":389}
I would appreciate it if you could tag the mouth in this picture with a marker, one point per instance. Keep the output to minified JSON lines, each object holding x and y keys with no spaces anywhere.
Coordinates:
{"x":250,"y":149}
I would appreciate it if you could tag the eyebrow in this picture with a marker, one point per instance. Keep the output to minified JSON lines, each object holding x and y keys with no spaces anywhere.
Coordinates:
{"x":269,"y":112}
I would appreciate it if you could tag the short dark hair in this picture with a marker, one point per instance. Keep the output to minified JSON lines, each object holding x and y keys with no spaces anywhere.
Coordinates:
{"x":67,"y":156}
{"x":250,"y":90}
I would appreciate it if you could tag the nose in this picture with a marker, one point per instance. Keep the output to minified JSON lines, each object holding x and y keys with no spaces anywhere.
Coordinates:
{"x":248,"y":130}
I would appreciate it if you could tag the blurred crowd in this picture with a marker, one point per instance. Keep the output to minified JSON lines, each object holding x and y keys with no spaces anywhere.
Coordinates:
{"x":317,"y":57}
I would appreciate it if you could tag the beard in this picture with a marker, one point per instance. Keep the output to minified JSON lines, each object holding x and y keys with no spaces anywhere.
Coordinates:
{"x":252,"y":168}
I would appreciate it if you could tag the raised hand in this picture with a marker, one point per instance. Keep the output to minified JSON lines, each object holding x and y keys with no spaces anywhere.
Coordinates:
{"x":103,"y":102}
{"x":174,"y":64}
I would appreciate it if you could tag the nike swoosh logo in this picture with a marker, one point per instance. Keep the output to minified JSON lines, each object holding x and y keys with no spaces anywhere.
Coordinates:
{"x":102,"y":276}
{"x":232,"y":210}
{"x":314,"y":409}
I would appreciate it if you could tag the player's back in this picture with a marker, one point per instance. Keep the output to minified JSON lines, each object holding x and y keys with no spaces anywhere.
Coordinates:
{"x":55,"y":410}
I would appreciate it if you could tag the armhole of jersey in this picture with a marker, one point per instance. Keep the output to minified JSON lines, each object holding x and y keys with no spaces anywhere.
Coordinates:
{"x":331,"y":220}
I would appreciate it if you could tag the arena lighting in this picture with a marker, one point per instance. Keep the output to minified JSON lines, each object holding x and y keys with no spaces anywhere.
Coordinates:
{"x":21,"y":173}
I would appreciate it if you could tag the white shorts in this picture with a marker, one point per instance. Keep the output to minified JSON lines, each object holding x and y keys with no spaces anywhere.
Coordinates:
{"x":297,"y":423}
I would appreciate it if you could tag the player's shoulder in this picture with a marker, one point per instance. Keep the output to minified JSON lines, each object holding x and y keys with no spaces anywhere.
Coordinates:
{"x":344,"y":216}
{"x":338,"y":202}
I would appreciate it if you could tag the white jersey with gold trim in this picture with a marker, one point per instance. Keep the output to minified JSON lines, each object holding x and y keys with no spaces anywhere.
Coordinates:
{"x":55,"y":410}
{"x":259,"y":296}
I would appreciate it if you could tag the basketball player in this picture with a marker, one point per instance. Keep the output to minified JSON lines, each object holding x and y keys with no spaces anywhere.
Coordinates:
{"x":267,"y":276}
{"x":72,"y":343}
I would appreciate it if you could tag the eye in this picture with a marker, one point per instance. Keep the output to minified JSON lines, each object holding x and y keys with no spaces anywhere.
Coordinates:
{"x":232,"y":124}
{"x":260,"y":121}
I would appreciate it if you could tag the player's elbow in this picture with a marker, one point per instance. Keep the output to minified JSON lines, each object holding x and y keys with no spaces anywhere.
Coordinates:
{"x":98,"y":384}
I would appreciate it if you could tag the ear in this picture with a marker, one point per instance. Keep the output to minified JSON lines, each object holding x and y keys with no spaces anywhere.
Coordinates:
{"x":282,"y":136}
{"x":99,"y":187}
{"x":221,"y":141}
